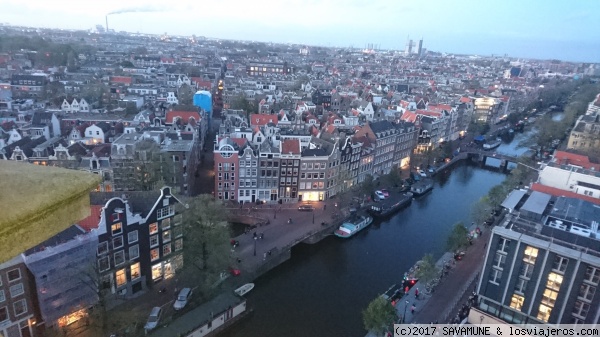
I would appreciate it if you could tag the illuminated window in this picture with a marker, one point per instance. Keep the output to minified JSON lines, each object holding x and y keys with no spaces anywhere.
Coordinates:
{"x":153,"y":228}
{"x":154,"y":254}
{"x":156,"y":271}
{"x":516,"y":302}
{"x":120,"y":277}
{"x":166,"y":249}
{"x":166,"y":236}
{"x":530,"y":255}
{"x":116,"y":228}
{"x":554,"y":281}
{"x":135,"y":271}
{"x":544,"y":313}
{"x":549,"y":297}
{"x":154,"y":241}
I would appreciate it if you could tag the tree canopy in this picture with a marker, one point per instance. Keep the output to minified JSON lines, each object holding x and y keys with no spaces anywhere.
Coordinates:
{"x":427,"y":270}
{"x":379,"y":316}
{"x":458,"y":237}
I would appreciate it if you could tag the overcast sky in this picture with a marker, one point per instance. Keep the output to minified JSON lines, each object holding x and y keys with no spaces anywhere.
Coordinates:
{"x":566,"y":30}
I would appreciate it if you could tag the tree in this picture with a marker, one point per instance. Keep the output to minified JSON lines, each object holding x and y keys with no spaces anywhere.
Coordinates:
{"x":427,"y":270}
{"x":152,"y":168}
{"x":207,"y":247}
{"x":368,"y":185}
{"x":393,"y":178}
{"x":458,"y":238}
{"x":379,"y":315}
{"x":185,"y":94}
{"x":240,"y":102}
{"x":497,"y":194}
{"x":480,"y":210}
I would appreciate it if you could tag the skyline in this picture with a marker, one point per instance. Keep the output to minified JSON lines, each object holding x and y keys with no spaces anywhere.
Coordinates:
{"x":532,"y":29}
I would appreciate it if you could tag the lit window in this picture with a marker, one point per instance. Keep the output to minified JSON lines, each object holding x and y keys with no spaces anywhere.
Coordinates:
{"x":554,"y":281}
{"x":135,"y":271}
{"x":544,"y":313}
{"x":166,"y":236}
{"x":156,"y":271}
{"x":166,"y":249}
{"x":116,"y":228}
{"x":153,"y":228}
{"x":549,"y":297}
{"x":154,"y":254}
{"x":120,"y":277}
{"x":530,"y":255}
{"x":516,"y":301}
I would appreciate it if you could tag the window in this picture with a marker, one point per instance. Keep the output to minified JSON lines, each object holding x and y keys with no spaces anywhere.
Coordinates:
{"x":156,"y":271}
{"x":544,"y":313}
{"x":153,"y":228}
{"x":495,"y":276}
{"x":166,"y":249}
{"x":166,"y":236}
{"x":499,"y":261}
{"x":521,"y":286}
{"x":135,"y":271}
{"x":134,"y":252}
{"x":154,"y":241}
{"x":103,"y":264}
{"x":16,"y":290}
{"x":2,"y":297}
{"x":120,"y":277}
{"x":526,"y":270}
{"x":119,"y":257}
{"x":581,"y":309}
{"x":115,"y":217}
{"x":592,"y":275}
{"x":530,"y":255}
{"x":132,"y":236}
{"x":554,"y":281}
{"x":166,"y":223}
{"x":516,"y":302}
{"x":549,"y":297}
{"x":14,"y":275}
{"x":116,"y":228}
{"x":154,"y":254}
{"x":178,"y":244}
{"x":117,"y":242}
{"x":20,"y":307}
{"x":165,"y":212}
{"x":503,"y":245}
{"x":586,"y":292}
{"x":3,"y":314}
{"x":560,"y":264}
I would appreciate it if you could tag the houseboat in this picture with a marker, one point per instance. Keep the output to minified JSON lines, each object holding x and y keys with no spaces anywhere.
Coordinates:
{"x":421,"y":187}
{"x":390,"y":206}
{"x":351,"y":227}
{"x":493,"y":144}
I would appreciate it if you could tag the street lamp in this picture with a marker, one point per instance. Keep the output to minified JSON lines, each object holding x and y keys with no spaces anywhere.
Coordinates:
{"x":404,"y":316}
{"x":255,"y":239}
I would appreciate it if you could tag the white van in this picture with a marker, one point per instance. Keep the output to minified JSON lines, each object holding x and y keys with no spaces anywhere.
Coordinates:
{"x":153,"y":318}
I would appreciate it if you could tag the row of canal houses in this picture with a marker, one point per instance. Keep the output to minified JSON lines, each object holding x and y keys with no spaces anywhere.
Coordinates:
{"x":129,"y":243}
{"x":261,"y":161}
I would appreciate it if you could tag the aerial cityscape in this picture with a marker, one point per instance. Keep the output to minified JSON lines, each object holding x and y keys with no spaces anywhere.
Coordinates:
{"x":258,"y":169}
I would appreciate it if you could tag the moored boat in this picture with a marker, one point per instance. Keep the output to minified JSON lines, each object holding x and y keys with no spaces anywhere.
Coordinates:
{"x":243,"y":290}
{"x":389,"y":207}
{"x":353,"y":226}
{"x":493,"y":144}
{"x":421,"y":187}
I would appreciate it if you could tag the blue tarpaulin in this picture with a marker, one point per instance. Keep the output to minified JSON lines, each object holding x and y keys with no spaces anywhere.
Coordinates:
{"x":479,"y":139}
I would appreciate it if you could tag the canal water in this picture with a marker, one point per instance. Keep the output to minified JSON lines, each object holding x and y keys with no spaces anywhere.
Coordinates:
{"x":323,"y":289}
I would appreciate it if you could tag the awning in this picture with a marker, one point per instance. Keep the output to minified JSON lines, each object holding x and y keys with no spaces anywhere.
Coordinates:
{"x":513,"y":199}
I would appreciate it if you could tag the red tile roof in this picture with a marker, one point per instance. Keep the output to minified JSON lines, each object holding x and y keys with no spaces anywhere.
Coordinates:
{"x":566,"y":158}
{"x":184,"y":115}
{"x":263,"y":119}
{"x":557,"y":192}
{"x":240,"y":141}
{"x":409,"y":116}
{"x":465,"y":99}
{"x":92,"y":221}
{"x":121,"y":79}
{"x":290,"y":146}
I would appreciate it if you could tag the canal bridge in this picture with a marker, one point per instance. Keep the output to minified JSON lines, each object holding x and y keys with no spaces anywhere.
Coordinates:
{"x":490,"y":158}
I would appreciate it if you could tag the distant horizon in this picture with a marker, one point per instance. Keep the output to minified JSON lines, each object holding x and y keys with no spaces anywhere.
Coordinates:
{"x":533,"y":29}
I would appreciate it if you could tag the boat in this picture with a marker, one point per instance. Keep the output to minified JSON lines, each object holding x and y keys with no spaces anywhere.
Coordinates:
{"x":390,"y":206}
{"x":492,"y":145}
{"x":243,"y":290}
{"x":351,"y":227}
{"x":421,"y":187}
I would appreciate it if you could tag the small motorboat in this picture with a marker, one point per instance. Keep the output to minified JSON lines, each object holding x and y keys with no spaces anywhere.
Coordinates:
{"x":243,"y":290}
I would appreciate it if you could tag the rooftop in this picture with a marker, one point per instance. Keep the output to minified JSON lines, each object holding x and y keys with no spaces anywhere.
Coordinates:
{"x":41,"y":202}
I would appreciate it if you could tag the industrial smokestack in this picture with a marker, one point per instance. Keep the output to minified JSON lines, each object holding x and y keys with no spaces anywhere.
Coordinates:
{"x":106,"y":17}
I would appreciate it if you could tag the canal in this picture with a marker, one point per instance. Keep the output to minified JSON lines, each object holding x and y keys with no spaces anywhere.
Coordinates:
{"x":323,"y":289}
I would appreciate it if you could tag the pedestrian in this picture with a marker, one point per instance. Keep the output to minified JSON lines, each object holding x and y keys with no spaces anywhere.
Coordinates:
{"x":406,"y":290}
{"x":324,"y":207}
{"x":412,"y":309}
{"x":417,"y":293}
{"x":254,"y":235}
{"x":264,"y":256}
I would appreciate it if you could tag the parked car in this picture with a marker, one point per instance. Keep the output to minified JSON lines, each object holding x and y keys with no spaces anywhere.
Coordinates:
{"x":306,"y":208}
{"x":153,"y":318}
{"x":422,"y":173}
{"x":385,"y":192}
{"x":379,"y":195}
{"x":182,"y":299}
